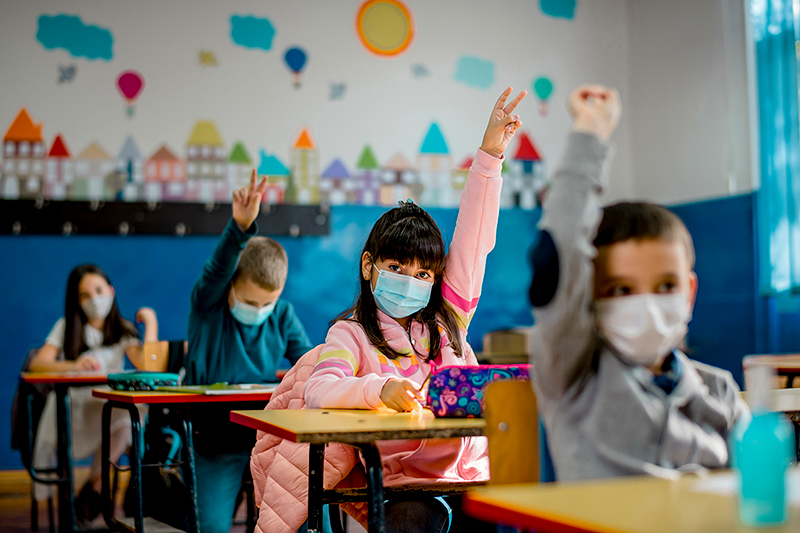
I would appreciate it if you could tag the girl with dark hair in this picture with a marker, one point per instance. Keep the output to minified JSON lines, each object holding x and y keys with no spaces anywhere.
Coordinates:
{"x":410,"y":317}
{"x":91,"y":336}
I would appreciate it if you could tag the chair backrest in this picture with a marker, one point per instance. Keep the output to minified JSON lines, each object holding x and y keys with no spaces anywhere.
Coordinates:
{"x":162,"y":356}
{"x":512,"y":427}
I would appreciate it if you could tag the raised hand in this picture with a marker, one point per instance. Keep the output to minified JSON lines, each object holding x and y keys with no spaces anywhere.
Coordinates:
{"x":401,"y":395}
{"x":595,"y":109}
{"x":502,"y":124}
{"x":146,"y":316}
{"x":247,"y":202}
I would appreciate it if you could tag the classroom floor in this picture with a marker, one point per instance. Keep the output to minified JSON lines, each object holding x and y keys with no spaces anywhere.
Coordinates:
{"x":15,"y":502}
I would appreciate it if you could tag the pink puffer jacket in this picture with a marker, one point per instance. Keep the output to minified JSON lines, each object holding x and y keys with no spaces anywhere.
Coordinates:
{"x":280,"y":467}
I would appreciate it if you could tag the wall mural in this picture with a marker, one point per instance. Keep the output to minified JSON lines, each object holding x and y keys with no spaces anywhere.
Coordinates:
{"x":210,"y":164}
{"x":208,"y":170}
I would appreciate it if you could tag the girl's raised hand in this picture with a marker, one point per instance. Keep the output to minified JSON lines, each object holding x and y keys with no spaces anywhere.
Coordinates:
{"x":595,"y":109}
{"x":146,"y":316}
{"x":502,"y":124}
{"x":247,"y":202}
{"x":401,"y":395}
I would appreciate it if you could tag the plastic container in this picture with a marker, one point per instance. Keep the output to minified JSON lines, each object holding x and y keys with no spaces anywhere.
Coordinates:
{"x":762,"y":452}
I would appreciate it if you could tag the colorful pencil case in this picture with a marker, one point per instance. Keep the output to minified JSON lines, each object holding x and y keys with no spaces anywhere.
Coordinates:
{"x":457,"y":391}
{"x":143,"y":380}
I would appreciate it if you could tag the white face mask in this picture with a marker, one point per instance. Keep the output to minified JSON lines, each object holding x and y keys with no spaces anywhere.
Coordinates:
{"x":643,"y":328}
{"x":98,"y":307}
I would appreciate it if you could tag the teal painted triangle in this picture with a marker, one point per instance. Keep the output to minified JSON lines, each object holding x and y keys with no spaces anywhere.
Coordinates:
{"x":434,"y":142}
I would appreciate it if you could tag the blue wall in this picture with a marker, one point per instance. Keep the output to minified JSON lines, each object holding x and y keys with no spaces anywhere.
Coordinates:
{"x":159,"y":272}
{"x":730,"y":319}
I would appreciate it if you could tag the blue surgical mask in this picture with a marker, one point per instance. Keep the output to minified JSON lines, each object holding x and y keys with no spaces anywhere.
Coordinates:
{"x":399,"y":295}
{"x":250,"y":315}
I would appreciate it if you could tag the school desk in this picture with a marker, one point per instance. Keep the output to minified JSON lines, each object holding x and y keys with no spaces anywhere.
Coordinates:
{"x":785,"y":365}
{"x":629,"y":505}
{"x":362,"y":429}
{"x":179,"y":401}
{"x":64,"y":479}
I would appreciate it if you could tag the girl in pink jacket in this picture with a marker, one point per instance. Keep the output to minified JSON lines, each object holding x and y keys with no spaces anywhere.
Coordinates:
{"x":411,"y":317}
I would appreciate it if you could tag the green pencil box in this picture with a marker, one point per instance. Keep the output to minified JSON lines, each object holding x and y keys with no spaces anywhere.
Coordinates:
{"x":142,"y":380}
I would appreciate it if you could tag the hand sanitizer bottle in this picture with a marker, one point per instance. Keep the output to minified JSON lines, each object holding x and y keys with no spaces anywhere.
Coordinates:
{"x":762,"y":451}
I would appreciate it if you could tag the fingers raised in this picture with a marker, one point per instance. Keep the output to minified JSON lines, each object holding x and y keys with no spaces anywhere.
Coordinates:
{"x":502,"y":100}
{"x":515,"y":102}
{"x":253,"y":180}
{"x":262,"y":187}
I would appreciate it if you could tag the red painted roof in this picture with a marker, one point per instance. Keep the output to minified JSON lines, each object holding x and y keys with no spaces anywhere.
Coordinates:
{"x":465,"y":164}
{"x":164,"y":154}
{"x":526,"y":150}
{"x":59,"y":148}
{"x":24,"y":129}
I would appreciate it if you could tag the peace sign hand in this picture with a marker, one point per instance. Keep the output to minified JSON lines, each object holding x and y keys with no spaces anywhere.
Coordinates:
{"x":247,"y":202}
{"x":502,"y":124}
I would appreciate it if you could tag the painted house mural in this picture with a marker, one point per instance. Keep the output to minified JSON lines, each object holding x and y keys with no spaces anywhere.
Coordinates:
{"x":60,"y":173}
{"x":91,"y":168}
{"x":278,"y":178}
{"x":367,"y":178}
{"x":165,"y":176}
{"x":210,"y":173}
{"x":400,"y":181}
{"x":304,"y":163}
{"x":206,"y":165}
{"x":435,"y":166}
{"x":23,"y":158}
{"x":337,"y":186}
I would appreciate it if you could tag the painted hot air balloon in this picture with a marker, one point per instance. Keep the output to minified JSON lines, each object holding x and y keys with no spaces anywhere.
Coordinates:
{"x":295,"y":59}
{"x":543,"y":88}
{"x":130,"y":84}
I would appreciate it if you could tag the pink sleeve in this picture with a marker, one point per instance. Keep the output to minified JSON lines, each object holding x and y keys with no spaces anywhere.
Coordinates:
{"x":473,"y":238}
{"x":335,"y":382}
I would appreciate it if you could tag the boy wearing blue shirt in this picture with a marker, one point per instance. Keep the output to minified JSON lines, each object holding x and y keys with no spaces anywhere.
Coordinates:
{"x":612,"y":302}
{"x":239,"y":332}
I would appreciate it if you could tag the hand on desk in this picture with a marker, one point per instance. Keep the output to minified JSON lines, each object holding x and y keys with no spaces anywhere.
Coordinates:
{"x":401,"y":395}
{"x":87,"y":362}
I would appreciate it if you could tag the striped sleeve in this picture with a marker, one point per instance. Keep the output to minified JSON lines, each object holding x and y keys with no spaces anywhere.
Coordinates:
{"x":335,"y":382}
{"x":474,"y":237}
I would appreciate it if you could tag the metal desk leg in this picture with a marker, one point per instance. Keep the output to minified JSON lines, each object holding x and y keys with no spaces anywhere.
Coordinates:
{"x":372,"y":458}
{"x":316,"y":464}
{"x":136,"y":464}
{"x":66,"y":490}
{"x":190,"y":479}
{"x":137,"y":451}
{"x":105,"y":461}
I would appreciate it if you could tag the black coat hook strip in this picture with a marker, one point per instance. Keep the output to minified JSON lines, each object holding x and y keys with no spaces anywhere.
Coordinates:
{"x":36,"y":217}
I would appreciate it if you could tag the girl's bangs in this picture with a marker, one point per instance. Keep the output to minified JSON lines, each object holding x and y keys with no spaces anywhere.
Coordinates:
{"x":413,"y":239}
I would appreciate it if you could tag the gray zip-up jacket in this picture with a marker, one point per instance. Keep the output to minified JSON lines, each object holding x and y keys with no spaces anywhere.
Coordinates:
{"x":604,"y":416}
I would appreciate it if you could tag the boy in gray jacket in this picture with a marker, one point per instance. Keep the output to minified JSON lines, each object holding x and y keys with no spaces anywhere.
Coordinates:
{"x":612,"y":301}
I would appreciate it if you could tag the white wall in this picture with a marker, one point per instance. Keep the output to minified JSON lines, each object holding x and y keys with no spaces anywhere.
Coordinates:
{"x":250,"y":95}
{"x":689,"y":102}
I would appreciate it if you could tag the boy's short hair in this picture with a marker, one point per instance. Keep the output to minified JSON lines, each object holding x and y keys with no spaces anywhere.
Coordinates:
{"x":642,"y":221}
{"x":264,"y":261}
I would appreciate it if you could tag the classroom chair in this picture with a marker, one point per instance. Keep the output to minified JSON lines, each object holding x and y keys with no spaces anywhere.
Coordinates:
{"x":512,"y":427}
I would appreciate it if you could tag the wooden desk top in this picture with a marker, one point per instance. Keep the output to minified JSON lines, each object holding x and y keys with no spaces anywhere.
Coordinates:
{"x":785,"y":363}
{"x":629,"y":505}
{"x":319,"y":426}
{"x":156,"y":397}
{"x":76,"y":378}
